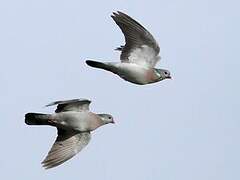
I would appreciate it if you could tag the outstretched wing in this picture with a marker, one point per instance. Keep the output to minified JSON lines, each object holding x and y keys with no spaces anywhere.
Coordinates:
{"x":67,"y":145}
{"x":140,"y":48}
{"x":71,"y":105}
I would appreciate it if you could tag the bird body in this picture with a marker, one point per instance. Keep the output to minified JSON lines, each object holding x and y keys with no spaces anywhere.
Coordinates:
{"x":131,"y":72}
{"x":136,"y":74}
{"x":79,"y":121}
{"x":138,"y":56}
{"x":74,"y":123}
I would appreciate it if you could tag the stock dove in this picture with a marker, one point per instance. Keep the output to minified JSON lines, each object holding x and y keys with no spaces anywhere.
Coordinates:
{"x":74,"y":123}
{"x":138,"y":56}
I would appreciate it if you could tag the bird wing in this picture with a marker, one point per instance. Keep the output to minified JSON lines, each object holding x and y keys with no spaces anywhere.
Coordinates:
{"x":141,"y":48}
{"x":67,"y":145}
{"x":71,"y":105}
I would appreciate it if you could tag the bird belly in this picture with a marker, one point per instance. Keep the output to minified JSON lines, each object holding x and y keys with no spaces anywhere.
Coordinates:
{"x":134,"y":73}
{"x":79,"y":121}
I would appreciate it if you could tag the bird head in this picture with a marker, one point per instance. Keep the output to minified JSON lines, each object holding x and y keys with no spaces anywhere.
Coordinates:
{"x":163,"y":74}
{"x":106,"y":118}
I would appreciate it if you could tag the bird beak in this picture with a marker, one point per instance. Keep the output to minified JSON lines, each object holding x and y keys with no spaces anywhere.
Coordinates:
{"x":113,"y":121}
{"x":169,"y":77}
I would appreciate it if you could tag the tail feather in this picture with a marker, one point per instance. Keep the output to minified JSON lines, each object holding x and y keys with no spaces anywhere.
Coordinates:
{"x":100,"y":65}
{"x":37,"y":119}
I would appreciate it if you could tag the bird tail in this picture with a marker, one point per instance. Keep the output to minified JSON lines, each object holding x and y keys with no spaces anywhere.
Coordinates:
{"x":100,"y":65}
{"x":37,"y":119}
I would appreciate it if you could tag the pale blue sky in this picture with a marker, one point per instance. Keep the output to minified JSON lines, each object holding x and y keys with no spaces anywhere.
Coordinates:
{"x":181,"y":129}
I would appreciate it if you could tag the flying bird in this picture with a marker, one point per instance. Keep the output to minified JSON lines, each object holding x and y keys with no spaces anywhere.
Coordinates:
{"x":74,"y":123}
{"x":139,"y":55}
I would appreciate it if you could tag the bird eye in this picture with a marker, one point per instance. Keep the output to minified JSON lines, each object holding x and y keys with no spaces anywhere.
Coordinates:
{"x":109,"y":117}
{"x":165,"y":73}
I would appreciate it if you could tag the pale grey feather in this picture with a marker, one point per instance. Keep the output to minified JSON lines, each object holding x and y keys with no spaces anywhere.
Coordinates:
{"x":67,"y":145}
{"x":141,"y":47}
{"x":71,"y":105}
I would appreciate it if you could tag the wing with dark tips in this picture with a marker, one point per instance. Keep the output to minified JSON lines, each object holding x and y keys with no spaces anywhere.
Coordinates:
{"x":67,"y":145}
{"x":71,"y":105}
{"x":141,"y":47}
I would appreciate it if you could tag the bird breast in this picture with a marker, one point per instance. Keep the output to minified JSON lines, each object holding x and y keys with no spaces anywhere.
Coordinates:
{"x":136,"y":73}
{"x":79,"y":121}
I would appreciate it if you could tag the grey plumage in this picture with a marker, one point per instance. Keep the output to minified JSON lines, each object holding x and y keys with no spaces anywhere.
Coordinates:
{"x":135,"y":35}
{"x":67,"y":145}
{"x":74,"y":123}
{"x":70,"y":105}
{"x":138,"y":56}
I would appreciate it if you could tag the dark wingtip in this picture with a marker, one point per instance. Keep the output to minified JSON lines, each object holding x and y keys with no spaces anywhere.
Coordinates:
{"x":114,"y":14}
{"x":119,"y":12}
